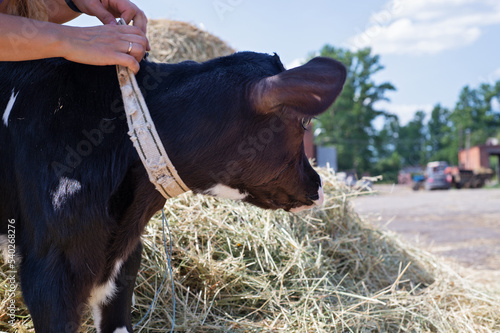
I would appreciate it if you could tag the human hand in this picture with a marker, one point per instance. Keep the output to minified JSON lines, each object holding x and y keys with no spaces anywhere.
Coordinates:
{"x":105,"y":45}
{"x":107,"y":10}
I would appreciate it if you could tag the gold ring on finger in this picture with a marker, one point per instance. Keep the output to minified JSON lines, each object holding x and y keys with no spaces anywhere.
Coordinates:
{"x":130,"y":44}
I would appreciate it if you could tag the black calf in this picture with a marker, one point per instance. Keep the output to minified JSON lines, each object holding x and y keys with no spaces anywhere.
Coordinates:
{"x":78,"y":195}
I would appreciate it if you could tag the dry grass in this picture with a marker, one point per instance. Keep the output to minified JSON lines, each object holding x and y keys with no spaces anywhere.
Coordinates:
{"x":242,"y":269}
{"x":175,"y":41}
{"x":238,"y":268}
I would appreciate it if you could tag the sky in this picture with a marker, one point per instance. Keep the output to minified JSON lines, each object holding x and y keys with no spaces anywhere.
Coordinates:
{"x":430,"y":49}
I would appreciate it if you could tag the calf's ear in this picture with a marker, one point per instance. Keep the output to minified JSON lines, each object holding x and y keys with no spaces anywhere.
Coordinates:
{"x":308,"y":89}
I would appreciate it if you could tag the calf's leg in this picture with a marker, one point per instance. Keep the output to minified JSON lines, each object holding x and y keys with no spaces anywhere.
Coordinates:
{"x":55,"y":297}
{"x":114,"y":316}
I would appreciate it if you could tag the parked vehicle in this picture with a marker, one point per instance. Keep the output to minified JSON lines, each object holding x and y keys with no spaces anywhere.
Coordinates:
{"x":462,"y":178}
{"x":474,"y":170}
{"x":440,"y":175}
{"x":409,"y":174}
{"x":436,"y":176}
{"x":418,"y":182}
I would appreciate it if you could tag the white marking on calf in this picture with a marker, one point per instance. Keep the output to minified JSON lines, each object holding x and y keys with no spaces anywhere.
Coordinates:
{"x":121,"y":330}
{"x":102,"y":294}
{"x":226,"y":192}
{"x":321,"y":195}
{"x":4,"y":241}
{"x":65,"y":190}
{"x":319,"y":202}
{"x":96,"y":314}
{"x":8,"y":109}
{"x":4,"y":250}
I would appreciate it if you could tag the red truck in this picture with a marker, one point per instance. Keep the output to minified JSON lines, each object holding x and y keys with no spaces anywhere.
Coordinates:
{"x":463,"y":178}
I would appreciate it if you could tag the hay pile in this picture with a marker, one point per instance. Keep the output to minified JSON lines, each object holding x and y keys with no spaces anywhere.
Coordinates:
{"x":238,"y":268}
{"x":242,"y":269}
{"x":175,"y":41}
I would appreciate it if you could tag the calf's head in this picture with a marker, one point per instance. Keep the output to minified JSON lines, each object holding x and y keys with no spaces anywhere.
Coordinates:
{"x":240,"y":132}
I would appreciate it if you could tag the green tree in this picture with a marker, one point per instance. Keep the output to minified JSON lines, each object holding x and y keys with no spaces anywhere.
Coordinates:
{"x":386,"y":140}
{"x":438,"y":127}
{"x":348,"y":124}
{"x":474,"y":111}
{"x":441,"y":144}
{"x":388,"y":167}
{"x":411,"y":144}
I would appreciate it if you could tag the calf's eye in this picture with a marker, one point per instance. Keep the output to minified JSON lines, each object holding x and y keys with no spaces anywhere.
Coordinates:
{"x":305,"y":122}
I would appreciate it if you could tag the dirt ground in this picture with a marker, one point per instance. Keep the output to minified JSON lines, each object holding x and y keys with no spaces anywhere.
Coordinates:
{"x":462,"y":226}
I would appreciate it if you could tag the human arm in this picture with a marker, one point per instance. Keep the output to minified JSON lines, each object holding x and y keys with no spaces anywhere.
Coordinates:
{"x":25,"y":39}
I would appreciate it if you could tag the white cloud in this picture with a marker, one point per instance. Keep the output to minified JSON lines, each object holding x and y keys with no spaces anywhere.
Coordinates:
{"x":426,"y":26}
{"x":496,"y":74}
{"x":490,"y":78}
{"x":495,"y":104}
{"x":405,"y":112}
{"x":295,"y":63}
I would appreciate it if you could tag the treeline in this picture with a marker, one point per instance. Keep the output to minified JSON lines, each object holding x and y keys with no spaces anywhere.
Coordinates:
{"x":349,"y":123}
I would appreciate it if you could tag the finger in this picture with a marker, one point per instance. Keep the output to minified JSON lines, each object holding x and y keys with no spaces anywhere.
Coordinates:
{"x":137,"y":39}
{"x":127,"y":15}
{"x":129,"y":29}
{"x":133,"y":13}
{"x":141,"y":21}
{"x":137,"y":50}
{"x":139,"y":18}
{"x":102,"y":13}
{"x":130,"y":48}
{"x":128,"y":61}
{"x":134,"y":34}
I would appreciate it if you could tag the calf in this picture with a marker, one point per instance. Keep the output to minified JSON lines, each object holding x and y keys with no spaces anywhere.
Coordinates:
{"x":75,"y":198}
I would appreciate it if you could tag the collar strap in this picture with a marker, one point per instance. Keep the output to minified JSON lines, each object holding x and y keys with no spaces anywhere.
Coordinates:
{"x":146,"y":140}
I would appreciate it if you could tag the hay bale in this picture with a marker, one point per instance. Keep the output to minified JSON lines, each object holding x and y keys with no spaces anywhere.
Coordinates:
{"x":238,"y":268}
{"x":175,"y":41}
